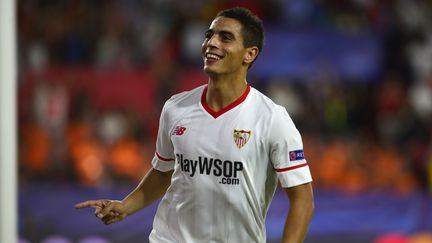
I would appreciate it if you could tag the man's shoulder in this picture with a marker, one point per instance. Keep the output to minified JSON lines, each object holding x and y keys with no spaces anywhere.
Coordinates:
{"x":186,"y":98}
{"x":265,"y":103}
{"x":193,"y":95}
{"x":278,"y":117}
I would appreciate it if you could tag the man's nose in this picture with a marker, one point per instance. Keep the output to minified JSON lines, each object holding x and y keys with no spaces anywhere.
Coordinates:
{"x":213,"y":41}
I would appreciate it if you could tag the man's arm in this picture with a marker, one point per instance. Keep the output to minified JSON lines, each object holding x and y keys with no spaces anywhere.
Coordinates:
{"x":152,"y":187}
{"x":300,"y":213}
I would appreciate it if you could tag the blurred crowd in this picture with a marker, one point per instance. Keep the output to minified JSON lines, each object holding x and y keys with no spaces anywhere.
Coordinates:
{"x":93,"y":76}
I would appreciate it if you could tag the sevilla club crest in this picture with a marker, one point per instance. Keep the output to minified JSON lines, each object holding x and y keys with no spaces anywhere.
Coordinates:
{"x":241,"y":137}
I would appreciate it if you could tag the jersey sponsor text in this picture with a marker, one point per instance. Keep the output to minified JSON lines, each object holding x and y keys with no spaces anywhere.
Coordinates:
{"x":227,"y":169}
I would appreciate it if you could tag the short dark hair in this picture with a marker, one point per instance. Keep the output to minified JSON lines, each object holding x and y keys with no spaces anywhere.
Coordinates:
{"x":252,"y":26}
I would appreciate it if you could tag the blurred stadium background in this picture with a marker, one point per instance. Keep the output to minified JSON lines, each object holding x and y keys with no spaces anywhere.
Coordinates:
{"x":355,"y":75}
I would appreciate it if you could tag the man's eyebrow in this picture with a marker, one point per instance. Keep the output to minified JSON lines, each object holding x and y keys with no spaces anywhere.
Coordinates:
{"x":227,"y":33}
{"x":221,"y":32}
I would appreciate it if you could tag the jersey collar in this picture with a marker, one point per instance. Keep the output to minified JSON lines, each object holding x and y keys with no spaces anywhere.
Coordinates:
{"x":226,"y":108}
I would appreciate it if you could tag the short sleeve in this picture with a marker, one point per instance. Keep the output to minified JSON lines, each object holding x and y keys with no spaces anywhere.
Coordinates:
{"x":286,"y":151}
{"x":164,"y":158}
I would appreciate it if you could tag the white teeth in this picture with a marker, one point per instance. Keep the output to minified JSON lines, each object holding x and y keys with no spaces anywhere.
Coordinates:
{"x":212,"y":56}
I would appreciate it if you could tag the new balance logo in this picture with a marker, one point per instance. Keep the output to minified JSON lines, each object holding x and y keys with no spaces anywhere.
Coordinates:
{"x":178,"y":131}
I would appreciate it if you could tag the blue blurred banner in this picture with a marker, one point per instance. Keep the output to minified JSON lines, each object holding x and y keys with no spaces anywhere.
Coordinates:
{"x":47,"y":209}
{"x":351,"y":56}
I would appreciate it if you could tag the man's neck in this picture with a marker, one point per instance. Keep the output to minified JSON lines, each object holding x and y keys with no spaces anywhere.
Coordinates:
{"x":223,"y":91}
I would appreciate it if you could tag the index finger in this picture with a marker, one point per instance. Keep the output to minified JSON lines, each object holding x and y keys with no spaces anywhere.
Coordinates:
{"x":90,"y":204}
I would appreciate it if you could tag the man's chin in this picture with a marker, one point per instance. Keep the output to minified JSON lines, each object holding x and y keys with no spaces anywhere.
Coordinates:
{"x":209,"y":70}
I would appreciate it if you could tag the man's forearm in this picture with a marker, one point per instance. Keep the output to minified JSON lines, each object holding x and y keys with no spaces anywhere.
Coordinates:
{"x":152,"y":187}
{"x":299,"y":215}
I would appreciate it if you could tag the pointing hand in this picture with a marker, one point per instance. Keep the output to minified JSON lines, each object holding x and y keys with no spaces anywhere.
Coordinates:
{"x":109,"y":211}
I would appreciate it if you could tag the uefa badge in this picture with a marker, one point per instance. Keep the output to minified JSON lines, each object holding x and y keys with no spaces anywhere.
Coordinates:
{"x":241,"y":137}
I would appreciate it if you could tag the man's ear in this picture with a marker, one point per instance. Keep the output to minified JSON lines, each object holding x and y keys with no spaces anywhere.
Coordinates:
{"x":251,"y":54}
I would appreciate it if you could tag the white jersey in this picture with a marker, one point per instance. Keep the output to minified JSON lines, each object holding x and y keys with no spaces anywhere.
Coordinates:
{"x":226,"y":167}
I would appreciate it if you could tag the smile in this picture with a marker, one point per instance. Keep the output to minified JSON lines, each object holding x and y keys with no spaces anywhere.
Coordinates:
{"x":212,"y":56}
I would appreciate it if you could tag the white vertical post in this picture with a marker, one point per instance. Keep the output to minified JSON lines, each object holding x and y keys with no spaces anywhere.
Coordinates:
{"x":8,"y":131}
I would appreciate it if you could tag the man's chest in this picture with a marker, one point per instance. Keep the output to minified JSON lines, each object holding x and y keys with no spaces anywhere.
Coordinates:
{"x":220,"y":151}
{"x":233,"y":136}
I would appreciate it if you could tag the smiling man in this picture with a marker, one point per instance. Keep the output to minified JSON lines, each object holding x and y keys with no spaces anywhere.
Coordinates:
{"x":221,"y":150}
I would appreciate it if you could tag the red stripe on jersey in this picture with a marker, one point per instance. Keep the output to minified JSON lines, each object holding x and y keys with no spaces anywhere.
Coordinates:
{"x":291,"y":167}
{"x":164,"y":159}
{"x":226,"y":108}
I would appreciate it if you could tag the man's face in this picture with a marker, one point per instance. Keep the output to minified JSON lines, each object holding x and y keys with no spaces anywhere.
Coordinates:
{"x":223,"y":50}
